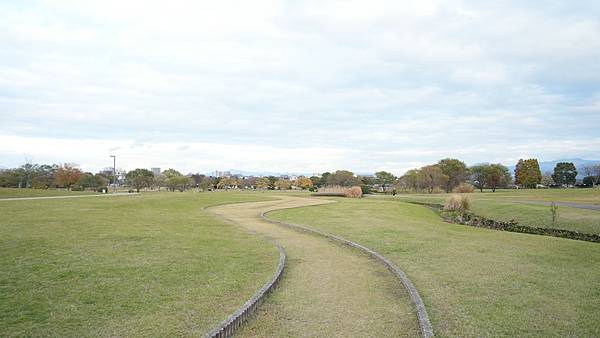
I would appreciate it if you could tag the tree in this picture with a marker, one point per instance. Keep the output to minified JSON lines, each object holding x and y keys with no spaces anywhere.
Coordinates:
{"x":140,"y":178}
{"x":477,"y":175}
{"x":527,"y":173}
{"x":207,"y":183}
{"x":343,"y":178}
{"x":565,"y":173}
{"x":272,"y":180}
{"x":303,"y":183}
{"x":497,"y":176}
{"x":588,"y":181}
{"x":262,"y":183}
{"x":283,"y":184}
{"x":67,"y":175}
{"x":323,"y":181}
{"x":384,"y":179}
{"x":315,"y":180}
{"x":547,"y":179}
{"x":171,"y":173}
{"x":410,"y":180}
{"x":455,"y":170}
{"x":179,"y":182}
{"x":87,"y":180}
{"x":431,"y":177}
{"x":227,"y":183}
{"x":594,"y":172}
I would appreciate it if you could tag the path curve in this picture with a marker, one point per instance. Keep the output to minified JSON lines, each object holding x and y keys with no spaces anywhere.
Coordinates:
{"x":327,"y":290}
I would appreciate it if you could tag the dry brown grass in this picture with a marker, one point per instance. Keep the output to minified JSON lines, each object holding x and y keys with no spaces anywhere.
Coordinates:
{"x":464,"y":188}
{"x":459,"y":203}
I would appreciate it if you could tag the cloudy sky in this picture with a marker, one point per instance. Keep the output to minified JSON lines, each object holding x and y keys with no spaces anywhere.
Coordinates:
{"x":297,"y":86}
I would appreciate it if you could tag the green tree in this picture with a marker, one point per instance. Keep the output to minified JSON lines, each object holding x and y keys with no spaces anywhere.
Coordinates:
{"x":343,"y":178}
{"x":315,"y":180}
{"x":179,"y":182}
{"x":171,"y":173}
{"x":323,"y":181}
{"x":431,"y":177}
{"x":497,"y":176}
{"x":410,"y":180}
{"x":87,"y":180}
{"x":455,"y":170}
{"x":140,"y":178}
{"x":565,"y":173}
{"x":384,"y":179}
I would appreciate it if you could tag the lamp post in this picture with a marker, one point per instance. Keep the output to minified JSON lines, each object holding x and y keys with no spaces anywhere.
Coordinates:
{"x":114,"y":172}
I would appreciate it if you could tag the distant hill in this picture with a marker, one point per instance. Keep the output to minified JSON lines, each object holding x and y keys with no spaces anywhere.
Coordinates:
{"x":548,"y":166}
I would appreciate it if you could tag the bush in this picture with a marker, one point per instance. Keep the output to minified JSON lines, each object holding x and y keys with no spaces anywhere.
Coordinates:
{"x":365,"y":189}
{"x":354,"y":192}
{"x":464,"y":188}
{"x":458,"y":203}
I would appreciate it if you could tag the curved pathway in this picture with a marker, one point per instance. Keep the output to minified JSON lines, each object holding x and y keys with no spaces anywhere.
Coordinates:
{"x":327,"y":290}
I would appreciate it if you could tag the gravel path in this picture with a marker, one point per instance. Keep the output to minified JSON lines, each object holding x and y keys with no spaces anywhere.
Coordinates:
{"x":327,"y":290}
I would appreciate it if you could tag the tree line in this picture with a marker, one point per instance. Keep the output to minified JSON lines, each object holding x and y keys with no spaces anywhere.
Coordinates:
{"x":446,"y":175}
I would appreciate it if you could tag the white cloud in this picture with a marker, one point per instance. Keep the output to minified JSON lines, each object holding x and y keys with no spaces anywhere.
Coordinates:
{"x":363,"y":84}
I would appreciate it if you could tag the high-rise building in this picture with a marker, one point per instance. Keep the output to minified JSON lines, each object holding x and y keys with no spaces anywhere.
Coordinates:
{"x":155,"y":171}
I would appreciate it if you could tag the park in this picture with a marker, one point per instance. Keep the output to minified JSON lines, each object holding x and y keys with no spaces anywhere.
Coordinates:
{"x":277,"y":168}
{"x":163,"y":263}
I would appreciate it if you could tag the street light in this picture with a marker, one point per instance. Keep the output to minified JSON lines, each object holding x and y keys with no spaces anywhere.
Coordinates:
{"x":114,"y":172}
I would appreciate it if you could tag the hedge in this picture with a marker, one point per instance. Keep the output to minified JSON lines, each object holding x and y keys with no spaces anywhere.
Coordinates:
{"x":512,"y":225}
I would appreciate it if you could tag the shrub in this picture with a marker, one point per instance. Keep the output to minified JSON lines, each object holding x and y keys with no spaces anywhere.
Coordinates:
{"x":365,"y":189}
{"x":354,"y":192}
{"x":458,"y":203}
{"x":464,"y":188}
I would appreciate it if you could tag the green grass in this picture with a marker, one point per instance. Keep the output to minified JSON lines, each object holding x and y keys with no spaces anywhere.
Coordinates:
{"x":16,"y":193}
{"x":140,"y":265}
{"x":525,"y":206}
{"x":475,"y":282}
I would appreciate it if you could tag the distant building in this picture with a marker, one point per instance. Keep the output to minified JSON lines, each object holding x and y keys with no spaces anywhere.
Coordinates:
{"x":222,"y":173}
{"x":155,"y":171}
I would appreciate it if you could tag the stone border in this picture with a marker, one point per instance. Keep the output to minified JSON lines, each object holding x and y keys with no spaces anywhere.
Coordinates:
{"x":424,"y":323}
{"x":234,"y":321}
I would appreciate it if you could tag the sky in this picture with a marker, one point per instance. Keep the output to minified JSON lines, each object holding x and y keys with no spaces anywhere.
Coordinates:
{"x":297,"y":86}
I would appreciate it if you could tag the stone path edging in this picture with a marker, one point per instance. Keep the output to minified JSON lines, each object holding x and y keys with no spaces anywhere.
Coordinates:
{"x":424,"y":323}
{"x":234,"y":321}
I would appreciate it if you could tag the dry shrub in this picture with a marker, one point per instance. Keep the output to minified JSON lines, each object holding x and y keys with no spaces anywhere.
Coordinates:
{"x":458,"y":203}
{"x":337,"y":190}
{"x":354,"y":192}
{"x":464,"y":188}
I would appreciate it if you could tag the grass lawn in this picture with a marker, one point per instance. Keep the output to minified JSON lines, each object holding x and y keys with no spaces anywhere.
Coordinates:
{"x":141,"y":265}
{"x":475,"y":282}
{"x":527,"y":206}
{"x":15,"y":193}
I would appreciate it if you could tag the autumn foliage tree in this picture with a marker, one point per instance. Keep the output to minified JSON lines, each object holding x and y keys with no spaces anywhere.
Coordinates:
{"x":67,"y":175}
{"x":303,"y":183}
{"x":528,"y":173}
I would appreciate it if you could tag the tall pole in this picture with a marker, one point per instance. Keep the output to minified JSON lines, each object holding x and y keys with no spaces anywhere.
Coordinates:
{"x":114,"y":172}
